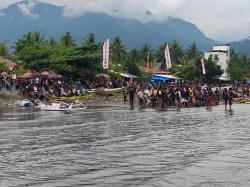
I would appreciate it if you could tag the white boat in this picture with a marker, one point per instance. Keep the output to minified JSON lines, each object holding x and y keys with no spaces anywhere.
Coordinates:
{"x":23,"y":103}
{"x":62,"y":107}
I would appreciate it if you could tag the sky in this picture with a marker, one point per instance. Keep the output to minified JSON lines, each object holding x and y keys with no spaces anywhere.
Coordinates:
{"x":222,"y":20}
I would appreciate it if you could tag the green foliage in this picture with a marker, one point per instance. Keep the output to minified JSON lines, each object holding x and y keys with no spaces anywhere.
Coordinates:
{"x":176,"y":52}
{"x":191,"y":70}
{"x":133,"y":68}
{"x":134,"y":56}
{"x":160,"y":53}
{"x":34,"y":51}
{"x":3,"y":68}
{"x":117,"y":50}
{"x":4,"y":49}
{"x":146,"y":53}
{"x":90,"y":39}
{"x":239,"y":67}
{"x":67,"y":40}
{"x":192,"y":51}
{"x":83,"y":61}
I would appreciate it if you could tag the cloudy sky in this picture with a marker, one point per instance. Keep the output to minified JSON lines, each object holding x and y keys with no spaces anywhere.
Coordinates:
{"x":223,"y":20}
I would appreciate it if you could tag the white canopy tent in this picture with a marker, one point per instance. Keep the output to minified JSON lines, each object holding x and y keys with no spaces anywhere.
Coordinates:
{"x":167,"y":76}
{"x":128,"y":75}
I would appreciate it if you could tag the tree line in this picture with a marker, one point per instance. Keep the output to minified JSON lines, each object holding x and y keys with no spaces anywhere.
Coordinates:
{"x":83,"y":60}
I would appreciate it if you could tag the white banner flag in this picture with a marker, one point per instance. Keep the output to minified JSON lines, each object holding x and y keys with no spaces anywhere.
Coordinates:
{"x":105,"y":62}
{"x":168,"y":58}
{"x":203,"y":67}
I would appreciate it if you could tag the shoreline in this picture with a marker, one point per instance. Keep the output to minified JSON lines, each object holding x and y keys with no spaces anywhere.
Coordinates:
{"x":7,"y":97}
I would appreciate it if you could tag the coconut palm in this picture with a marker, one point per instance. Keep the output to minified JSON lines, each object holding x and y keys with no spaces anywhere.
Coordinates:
{"x":4,"y":49}
{"x":90,"y":38}
{"x":176,"y":51}
{"x":67,"y":40}
{"x":146,"y":53}
{"x":117,"y":50}
{"x":192,"y":51}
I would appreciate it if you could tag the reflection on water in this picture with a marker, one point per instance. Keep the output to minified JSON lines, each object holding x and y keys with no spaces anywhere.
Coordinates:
{"x":115,"y":146}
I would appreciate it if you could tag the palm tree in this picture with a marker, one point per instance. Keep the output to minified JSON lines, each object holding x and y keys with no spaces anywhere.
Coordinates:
{"x":36,"y":37}
{"x":90,"y":38}
{"x":67,"y":40}
{"x":146,"y":53}
{"x":160,"y":53}
{"x":51,"y":41}
{"x":117,"y":50}
{"x":192,"y":51}
{"x":175,"y":51}
{"x":134,"y":56}
{"x":4,"y":49}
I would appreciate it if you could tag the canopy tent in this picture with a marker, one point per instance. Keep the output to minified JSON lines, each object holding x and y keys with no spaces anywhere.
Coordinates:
{"x":29,"y":75}
{"x":224,"y":78}
{"x":50,"y":75}
{"x":128,"y":75}
{"x":103,"y":75}
{"x":160,"y":77}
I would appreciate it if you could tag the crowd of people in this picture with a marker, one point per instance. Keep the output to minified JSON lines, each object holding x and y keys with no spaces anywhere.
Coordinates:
{"x":149,"y":94}
{"x":182,"y":95}
{"x":40,"y":88}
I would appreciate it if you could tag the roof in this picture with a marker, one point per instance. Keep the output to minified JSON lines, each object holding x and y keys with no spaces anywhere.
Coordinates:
{"x":151,"y":70}
{"x":222,"y":45}
{"x":167,"y":76}
{"x":128,"y":75}
{"x":216,"y":51}
{"x":8,"y":63}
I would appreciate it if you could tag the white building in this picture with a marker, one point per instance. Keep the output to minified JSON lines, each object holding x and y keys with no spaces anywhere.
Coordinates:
{"x":223,"y":54}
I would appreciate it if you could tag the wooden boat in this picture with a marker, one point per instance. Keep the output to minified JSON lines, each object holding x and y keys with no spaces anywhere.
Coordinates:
{"x":107,"y":91}
{"x":242,"y":100}
{"x":74,"y":98}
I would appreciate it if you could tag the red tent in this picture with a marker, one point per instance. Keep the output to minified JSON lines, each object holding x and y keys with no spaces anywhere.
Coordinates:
{"x":29,"y":75}
{"x":50,"y":75}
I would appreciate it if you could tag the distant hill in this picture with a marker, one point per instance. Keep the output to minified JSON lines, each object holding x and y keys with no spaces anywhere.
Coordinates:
{"x":50,"y":21}
{"x":242,"y":46}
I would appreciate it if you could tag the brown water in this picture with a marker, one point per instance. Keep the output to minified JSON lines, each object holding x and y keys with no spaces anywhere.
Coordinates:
{"x":114,"y":146}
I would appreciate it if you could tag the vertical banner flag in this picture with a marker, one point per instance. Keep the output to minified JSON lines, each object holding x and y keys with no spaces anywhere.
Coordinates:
{"x":105,"y":62}
{"x":167,"y":57}
{"x":203,"y":67}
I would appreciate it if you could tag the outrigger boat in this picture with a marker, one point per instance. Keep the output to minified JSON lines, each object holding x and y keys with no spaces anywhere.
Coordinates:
{"x":242,"y":100}
{"x":107,"y":91}
{"x":61,"y":107}
{"x":74,"y":98}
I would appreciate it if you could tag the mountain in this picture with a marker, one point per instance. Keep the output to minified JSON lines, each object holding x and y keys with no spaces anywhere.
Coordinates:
{"x":49,"y":20}
{"x":242,"y":46}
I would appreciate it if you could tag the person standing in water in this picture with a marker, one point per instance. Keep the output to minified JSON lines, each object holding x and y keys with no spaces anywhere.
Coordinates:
{"x":230,"y":98}
{"x":225,"y":97}
{"x":131,"y":91}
